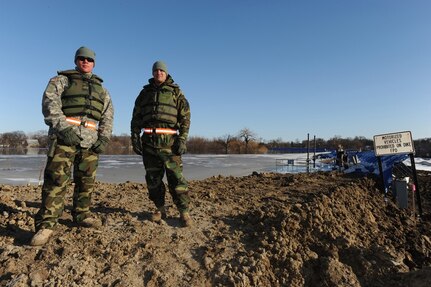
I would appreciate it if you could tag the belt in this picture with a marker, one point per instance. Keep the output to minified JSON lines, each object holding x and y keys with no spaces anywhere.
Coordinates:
{"x":86,"y":124}
{"x":159,"y":131}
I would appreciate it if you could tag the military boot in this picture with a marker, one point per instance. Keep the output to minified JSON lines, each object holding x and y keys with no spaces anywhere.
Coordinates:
{"x":41,"y":237}
{"x":90,"y":222}
{"x":185,"y":219}
{"x":159,"y":215}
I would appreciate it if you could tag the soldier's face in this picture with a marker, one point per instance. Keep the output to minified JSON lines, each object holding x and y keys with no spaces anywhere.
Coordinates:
{"x":85,"y":65}
{"x":159,"y":76}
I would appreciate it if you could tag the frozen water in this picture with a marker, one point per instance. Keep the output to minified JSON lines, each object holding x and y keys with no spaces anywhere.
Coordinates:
{"x":28,"y":169}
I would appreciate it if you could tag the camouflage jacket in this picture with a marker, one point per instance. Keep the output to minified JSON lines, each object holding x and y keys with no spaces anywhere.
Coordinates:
{"x":56,"y":120}
{"x":152,"y":95}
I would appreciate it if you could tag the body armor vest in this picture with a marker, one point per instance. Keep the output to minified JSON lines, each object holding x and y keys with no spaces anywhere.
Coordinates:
{"x":83,"y":97}
{"x":160,"y":105}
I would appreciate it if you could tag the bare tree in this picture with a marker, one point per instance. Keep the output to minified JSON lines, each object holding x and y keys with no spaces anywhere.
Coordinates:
{"x":225,"y":142}
{"x":247,"y":135}
{"x":197,"y":145}
{"x":119,"y":145}
{"x":13,"y":142}
{"x":16,"y":139}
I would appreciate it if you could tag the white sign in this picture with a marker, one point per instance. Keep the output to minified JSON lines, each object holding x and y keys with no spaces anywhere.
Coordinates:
{"x":395,"y":143}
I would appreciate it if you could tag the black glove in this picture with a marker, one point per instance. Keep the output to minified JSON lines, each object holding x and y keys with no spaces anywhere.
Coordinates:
{"x":136,"y":143}
{"x":100,"y":145}
{"x":179,"y":147}
{"x":69,"y":137}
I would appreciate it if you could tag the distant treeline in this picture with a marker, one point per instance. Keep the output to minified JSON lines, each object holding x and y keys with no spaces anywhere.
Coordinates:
{"x":245,"y":142}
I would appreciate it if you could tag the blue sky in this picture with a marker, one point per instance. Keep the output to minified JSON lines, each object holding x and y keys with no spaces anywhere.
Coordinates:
{"x":282,"y":69}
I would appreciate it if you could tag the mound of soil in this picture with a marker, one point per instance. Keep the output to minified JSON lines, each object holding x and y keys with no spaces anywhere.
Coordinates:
{"x":320,"y":229}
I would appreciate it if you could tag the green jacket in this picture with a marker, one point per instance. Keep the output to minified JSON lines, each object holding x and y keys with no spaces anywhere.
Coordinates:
{"x":163,"y":106}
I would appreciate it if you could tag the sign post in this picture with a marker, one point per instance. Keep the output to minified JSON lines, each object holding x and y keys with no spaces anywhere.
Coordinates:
{"x":397,"y":143}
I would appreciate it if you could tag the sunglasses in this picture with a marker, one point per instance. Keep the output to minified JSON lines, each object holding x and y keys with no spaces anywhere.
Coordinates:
{"x":82,"y":59}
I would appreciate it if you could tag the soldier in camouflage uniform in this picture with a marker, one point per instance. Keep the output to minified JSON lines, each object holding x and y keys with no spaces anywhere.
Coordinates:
{"x":79,"y":113}
{"x":162,"y":115}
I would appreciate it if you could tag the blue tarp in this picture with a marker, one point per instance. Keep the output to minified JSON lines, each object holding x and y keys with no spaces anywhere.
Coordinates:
{"x":368,"y":163}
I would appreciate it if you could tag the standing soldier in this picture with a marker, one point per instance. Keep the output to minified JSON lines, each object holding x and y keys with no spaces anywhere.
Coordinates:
{"x":340,"y":157}
{"x":79,"y":113}
{"x":162,"y":114}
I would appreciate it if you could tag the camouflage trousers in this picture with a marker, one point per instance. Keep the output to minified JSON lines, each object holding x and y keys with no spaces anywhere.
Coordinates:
{"x":157,"y":162}
{"x":56,"y":179}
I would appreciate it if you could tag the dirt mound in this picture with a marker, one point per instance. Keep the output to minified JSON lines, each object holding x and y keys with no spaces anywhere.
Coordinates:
{"x":320,"y":229}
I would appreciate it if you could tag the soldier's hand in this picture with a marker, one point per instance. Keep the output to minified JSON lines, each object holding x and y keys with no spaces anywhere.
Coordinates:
{"x":179,"y":146}
{"x":136,"y":143}
{"x":100,"y":145}
{"x":69,"y":137}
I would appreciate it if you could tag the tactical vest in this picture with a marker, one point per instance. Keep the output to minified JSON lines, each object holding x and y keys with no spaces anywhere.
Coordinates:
{"x":84,"y":96}
{"x":160,"y":104}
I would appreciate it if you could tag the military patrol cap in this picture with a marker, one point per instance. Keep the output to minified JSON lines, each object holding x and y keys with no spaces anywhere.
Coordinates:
{"x":159,"y":65}
{"x":85,"y":52}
